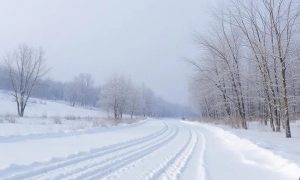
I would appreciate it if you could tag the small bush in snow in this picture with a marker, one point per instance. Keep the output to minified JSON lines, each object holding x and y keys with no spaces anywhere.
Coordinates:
{"x":43,"y":103}
{"x":10,"y":118}
{"x":44,"y":116}
{"x":70,"y":117}
{"x":89,"y":119}
{"x":57,"y":120}
{"x":97,"y":123}
{"x":33,"y":101}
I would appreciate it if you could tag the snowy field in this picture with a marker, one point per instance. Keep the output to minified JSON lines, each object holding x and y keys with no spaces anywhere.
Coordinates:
{"x":45,"y":108}
{"x":44,"y":116}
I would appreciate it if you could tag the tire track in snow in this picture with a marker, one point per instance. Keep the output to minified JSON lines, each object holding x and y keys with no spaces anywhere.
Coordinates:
{"x":38,"y":136}
{"x":198,"y":172}
{"x":121,"y":173}
{"x":171,"y":168}
{"x":201,"y":163}
{"x":103,"y":171}
{"x":42,"y":168}
{"x":89,"y":166}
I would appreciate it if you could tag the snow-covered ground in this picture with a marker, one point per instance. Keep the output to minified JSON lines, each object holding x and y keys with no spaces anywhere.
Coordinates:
{"x":45,"y":108}
{"x":44,"y":116}
{"x":155,"y":149}
{"x":262,"y":136}
{"x":57,"y":141}
{"x":239,"y":158}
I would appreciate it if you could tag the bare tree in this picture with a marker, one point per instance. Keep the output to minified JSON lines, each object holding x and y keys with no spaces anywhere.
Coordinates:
{"x":259,"y":31}
{"x":81,"y":91}
{"x":226,"y":48}
{"x":282,"y":17}
{"x":26,"y":67}
{"x":269,"y":27}
{"x":147,"y":101}
{"x":134,"y":102}
{"x":114,"y":95}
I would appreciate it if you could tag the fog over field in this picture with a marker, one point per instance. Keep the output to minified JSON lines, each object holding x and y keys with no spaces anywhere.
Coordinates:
{"x":146,"y":40}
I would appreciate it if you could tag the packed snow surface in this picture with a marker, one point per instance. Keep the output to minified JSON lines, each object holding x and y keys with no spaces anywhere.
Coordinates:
{"x":154,"y":149}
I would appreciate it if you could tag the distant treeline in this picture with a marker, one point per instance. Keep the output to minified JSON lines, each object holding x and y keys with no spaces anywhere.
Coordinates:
{"x":82,"y":91}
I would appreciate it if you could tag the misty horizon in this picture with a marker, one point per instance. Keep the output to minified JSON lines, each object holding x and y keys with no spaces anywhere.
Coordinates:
{"x":145,"y":41}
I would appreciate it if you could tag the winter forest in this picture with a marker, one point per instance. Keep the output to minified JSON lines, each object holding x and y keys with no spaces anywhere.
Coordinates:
{"x":250,"y":68}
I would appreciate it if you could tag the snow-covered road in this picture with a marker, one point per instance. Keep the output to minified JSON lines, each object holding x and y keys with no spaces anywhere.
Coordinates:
{"x":168,"y":149}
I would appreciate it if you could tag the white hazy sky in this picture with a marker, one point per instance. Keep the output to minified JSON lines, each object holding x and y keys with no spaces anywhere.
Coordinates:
{"x":143,"y":39}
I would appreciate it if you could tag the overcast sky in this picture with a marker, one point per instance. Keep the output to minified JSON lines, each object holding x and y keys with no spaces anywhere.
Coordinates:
{"x":146,"y":40}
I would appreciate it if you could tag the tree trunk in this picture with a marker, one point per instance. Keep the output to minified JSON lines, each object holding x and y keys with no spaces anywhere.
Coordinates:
{"x":286,"y":102}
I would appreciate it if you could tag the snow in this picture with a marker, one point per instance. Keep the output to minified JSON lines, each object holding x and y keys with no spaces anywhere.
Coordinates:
{"x":46,"y":108}
{"x":236,"y":158}
{"x":44,"y":116}
{"x":262,"y":136}
{"x":153,"y":149}
{"x":35,"y":147}
{"x":39,"y":150}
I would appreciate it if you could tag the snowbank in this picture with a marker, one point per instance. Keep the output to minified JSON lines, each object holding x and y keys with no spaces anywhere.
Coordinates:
{"x":262,"y":136}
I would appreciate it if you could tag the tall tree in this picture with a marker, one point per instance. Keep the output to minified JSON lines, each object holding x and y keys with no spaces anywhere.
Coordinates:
{"x":26,"y":67}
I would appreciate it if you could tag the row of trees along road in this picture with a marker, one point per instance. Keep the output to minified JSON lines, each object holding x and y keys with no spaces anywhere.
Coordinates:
{"x":250,"y":68}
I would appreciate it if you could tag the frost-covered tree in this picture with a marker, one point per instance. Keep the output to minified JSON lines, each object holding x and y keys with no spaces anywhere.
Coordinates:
{"x":119,"y":95}
{"x":249,"y":64}
{"x":114,"y":95}
{"x":134,"y":103}
{"x":147,"y":101}
{"x":81,"y":91}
